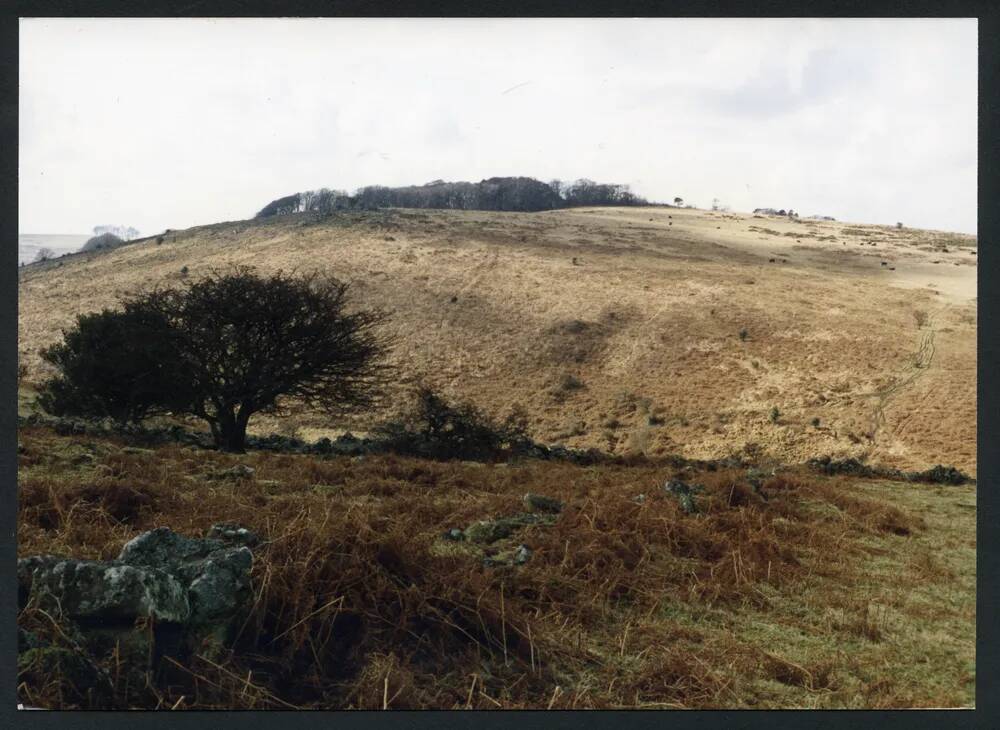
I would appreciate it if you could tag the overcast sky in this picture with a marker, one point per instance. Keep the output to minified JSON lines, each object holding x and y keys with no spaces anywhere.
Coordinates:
{"x":172,"y":123}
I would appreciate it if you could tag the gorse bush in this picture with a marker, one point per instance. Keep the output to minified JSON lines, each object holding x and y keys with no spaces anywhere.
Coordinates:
{"x":437,"y":429}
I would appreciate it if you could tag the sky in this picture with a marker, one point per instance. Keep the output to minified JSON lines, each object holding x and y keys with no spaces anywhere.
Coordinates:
{"x":170,"y":123}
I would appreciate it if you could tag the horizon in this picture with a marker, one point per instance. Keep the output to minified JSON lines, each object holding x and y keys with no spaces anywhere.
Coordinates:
{"x":863,"y":120}
{"x":652,"y":203}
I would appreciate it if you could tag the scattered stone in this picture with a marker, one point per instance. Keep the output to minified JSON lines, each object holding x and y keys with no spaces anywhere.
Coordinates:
{"x":232,"y":533}
{"x":137,"y":450}
{"x":756,"y":478}
{"x":541,"y":503}
{"x":454,"y":534}
{"x":506,"y":558}
{"x":684,"y":493}
{"x":239,"y":472}
{"x":940,"y":475}
{"x":270,"y":486}
{"x":639,"y":499}
{"x":489,"y":531}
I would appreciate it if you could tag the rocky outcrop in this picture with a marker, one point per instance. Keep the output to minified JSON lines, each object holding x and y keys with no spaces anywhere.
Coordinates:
{"x":195,"y":590}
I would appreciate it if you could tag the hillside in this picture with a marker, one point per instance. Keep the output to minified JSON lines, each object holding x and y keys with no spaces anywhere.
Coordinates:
{"x":620,"y":327}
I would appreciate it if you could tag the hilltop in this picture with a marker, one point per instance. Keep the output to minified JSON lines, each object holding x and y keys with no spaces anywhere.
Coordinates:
{"x":638,"y":329}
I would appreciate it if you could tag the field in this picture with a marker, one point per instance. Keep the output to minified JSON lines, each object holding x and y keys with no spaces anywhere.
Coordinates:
{"x":643,"y":332}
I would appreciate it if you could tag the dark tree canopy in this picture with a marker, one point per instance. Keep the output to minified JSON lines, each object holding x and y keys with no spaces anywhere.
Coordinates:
{"x":117,"y":365}
{"x":495,"y":193}
{"x":243,"y":343}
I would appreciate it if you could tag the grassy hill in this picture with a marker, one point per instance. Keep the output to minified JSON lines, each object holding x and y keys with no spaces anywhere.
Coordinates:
{"x":639,"y":331}
{"x":620,"y":328}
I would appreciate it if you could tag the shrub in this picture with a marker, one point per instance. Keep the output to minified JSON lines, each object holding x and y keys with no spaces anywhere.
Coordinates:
{"x":775,"y":414}
{"x":570,"y":382}
{"x":744,"y":334}
{"x":102,"y":242}
{"x":815,"y":423}
{"x":437,"y":429}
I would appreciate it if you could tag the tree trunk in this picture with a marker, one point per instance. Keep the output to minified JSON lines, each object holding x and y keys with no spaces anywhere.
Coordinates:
{"x":232,"y":434}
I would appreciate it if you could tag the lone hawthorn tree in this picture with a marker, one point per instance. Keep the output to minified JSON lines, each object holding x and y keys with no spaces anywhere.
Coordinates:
{"x":243,"y":344}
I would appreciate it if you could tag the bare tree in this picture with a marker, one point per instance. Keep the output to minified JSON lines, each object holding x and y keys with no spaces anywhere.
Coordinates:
{"x":44,"y":254}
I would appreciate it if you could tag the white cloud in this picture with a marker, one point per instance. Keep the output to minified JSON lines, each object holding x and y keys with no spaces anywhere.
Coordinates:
{"x":171,"y":123}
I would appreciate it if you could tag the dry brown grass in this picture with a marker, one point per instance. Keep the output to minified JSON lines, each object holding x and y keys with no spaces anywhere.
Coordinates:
{"x":651,"y":309}
{"x":358,"y":602}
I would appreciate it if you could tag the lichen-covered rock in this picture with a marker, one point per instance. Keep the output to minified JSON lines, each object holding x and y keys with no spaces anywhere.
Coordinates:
{"x":110,"y":591}
{"x":221,"y":585}
{"x":216,"y":573}
{"x":238,"y":472}
{"x":164,"y":549}
{"x":684,"y":494}
{"x":232,"y":533}
{"x":487,"y":531}
{"x":196,"y":589}
{"x":522,"y":555}
{"x":26,"y":573}
{"x":541,"y":503}
{"x":516,"y":556}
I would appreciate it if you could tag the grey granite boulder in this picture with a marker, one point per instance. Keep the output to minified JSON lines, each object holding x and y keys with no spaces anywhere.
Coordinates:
{"x":110,"y":591}
{"x":195,"y":589}
{"x":215,"y":572}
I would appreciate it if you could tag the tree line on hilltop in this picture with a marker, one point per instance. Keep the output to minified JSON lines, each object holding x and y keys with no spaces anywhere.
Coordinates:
{"x":497,"y":193}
